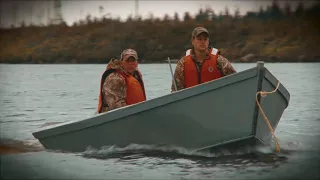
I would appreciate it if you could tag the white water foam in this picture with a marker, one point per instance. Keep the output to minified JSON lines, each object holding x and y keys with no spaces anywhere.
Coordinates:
{"x":106,"y":151}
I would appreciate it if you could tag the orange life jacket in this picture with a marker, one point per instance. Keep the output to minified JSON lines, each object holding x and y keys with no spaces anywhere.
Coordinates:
{"x":135,"y":92}
{"x":135,"y":88}
{"x":208,"y":71}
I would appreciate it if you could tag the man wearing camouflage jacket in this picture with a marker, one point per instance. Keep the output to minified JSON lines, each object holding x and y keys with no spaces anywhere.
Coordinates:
{"x":121,"y":83}
{"x":201,"y":63}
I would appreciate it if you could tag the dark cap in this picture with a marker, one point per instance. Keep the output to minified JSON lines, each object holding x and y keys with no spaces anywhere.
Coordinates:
{"x":199,"y":30}
{"x":128,"y":53}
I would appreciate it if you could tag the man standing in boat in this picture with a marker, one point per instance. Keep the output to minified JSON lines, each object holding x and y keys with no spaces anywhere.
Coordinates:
{"x":201,"y":63}
{"x":121,"y":83}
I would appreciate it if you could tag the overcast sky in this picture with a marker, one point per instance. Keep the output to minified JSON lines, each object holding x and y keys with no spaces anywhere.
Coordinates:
{"x":73,"y":10}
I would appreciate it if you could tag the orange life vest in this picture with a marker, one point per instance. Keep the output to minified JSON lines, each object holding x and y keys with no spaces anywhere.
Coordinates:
{"x":208,"y":71}
{"x":135,"y":88}
{"x":135,"y":92}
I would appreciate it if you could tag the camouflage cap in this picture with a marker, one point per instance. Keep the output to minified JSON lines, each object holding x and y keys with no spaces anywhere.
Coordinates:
{"x":199,"y":30}
{"x":128,"y":53}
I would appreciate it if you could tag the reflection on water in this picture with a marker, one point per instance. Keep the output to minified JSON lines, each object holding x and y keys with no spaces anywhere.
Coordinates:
{"x":8,"y":146}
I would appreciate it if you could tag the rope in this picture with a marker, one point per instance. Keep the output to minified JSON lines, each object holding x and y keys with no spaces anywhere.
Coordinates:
{"x":264,"y":94}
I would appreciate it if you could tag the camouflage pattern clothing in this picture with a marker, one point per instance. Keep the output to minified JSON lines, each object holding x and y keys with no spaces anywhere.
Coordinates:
{"x":223,"y":65}
{"x":114,"y":88}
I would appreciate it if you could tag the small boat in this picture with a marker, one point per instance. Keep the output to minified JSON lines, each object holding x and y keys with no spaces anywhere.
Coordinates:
{"x":220,"y":113}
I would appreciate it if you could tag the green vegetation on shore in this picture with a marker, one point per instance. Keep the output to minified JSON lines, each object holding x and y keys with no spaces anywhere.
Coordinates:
{"x":272,"y":35}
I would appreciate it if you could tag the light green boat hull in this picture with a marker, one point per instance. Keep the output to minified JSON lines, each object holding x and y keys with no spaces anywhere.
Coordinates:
{"x":215,"y":114}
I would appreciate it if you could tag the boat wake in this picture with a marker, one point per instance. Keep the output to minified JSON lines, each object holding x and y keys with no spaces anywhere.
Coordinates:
{"x":136,"y":153}
{"x":166,"y":151}
{"x":8,"y":146}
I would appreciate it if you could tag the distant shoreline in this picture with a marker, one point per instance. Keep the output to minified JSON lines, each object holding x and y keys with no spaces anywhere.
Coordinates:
{"x":274,"y":35}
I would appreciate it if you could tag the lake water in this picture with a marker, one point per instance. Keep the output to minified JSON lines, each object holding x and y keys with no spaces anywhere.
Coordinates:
{"x":35,"y":96}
